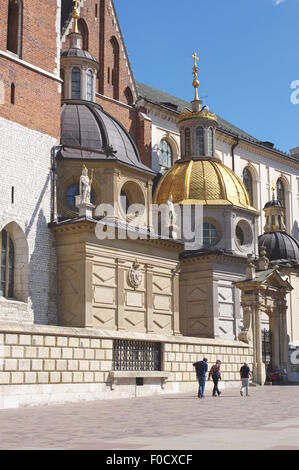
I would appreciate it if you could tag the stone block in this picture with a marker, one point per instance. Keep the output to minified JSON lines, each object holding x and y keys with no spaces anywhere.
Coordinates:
{"x":55,"y":377}
{"x":24,"y":364}
{"x":73,"y":365}
{"x":10,"y":364}
{"x":49,"y":364}
{"x":197,"y":349}
{"x":178,"y":357}
{"x":89,"y":354}
{"x":95,"y":343}
{"x":175,"y":347}
{"x":190,"y":367}
{"x":43,"y":353}
{"x":167,"y":347}
{"x":77,"y":377}
{"x":204,"y":349}
{"x":183,"y":348}
{"x":25,"y":340}
{"x":190,"y":348}
{"x":31,"y":352}
{"x":88,"y":377}
{"x":94,"y":365}
{"x":183,"y":366}
{"x":73,"y":342}
{"x":83,"y":365}
{"x":36,"y":364}
{"x":108,"y":354}
{"x":186,"y":357}
{"x":67,"y":353}
{"x":167,"y":366}
{"x":171,"y":357}
{"x":84,"y":343}
{"x":17,"y":377}
{"x":11,"y":339}
{"x":78,"y":353}
{"x":100,"y":354}
{"x":211,"y":349}
{"x":42,"y":377}
{"x":4,"y":378}
{"x":66,"y":377}
{"x":30,"y":377}
{"x":175,"y":366}
{"x":55,"y":353}
{"x":186,"y":376}
{"x":106,"y":343}
{"x":106,"y":365}
{"x":61,"y":341}
{"x":99,"y":377}
{"x":17,"y":351}
{"x":50,"y":341}
{"x":61,"y":365}
{"x":37,"y":340}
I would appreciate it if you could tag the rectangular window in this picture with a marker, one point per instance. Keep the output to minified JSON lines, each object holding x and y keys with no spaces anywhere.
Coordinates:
{"x":136,"y":356}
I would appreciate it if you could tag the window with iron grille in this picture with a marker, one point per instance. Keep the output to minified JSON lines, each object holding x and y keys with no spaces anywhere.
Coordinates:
{"x":136,"y":356}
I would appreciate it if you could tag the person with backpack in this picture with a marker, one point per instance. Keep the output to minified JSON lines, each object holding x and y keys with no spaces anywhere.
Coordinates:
{"x":245,"y":375}
{"x":215,"y":373}
{"x":201,"y":368}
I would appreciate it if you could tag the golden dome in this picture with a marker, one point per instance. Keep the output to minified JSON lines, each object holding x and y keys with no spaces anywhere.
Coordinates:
{"x":203,"y":182}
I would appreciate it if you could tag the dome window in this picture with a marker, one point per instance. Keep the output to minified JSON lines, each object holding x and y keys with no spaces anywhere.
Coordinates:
{"x":210,"y":235}
{"x":187,"y":142}
{"x":200,"y":141}
{"x":89,"y":81}
{"x":165,"y":154}
{"x":76,"y":83}
{"x":210,"y":142}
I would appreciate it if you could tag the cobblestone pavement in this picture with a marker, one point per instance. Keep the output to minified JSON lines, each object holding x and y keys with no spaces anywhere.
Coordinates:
{"x":268,"y":419}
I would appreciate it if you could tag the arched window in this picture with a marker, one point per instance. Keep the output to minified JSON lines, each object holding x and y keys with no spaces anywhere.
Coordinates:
{"x":6,"y":265}
{"x":83,"y":30}
{"x":210,"y":235}
{"x":281,"y":192}
{"x":129,"y":96}
{"x":89,"y":83}
{"x":165,"y":154}
{"x":14,"y":26}
{"x":210,"y":142}
{"x":76,"y":83}
{"x":187,"y":142}
{"x":247,"y":180}
{"x":115,"y":71}
{"x":124,"y":201}
{"x":200,"y":150}
{"x":62,"y":76}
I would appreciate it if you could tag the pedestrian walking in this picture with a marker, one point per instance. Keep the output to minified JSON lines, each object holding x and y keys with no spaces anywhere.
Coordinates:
{"x":201,"y":368}
{"x":215,"y":373}
{"x":245,"y":375}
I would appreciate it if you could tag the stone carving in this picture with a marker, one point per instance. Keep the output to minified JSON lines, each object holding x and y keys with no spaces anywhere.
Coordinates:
{"x":245,"y":334}
{"x":172,"y":212}
{"x":135,"y":275}
{"x":85,"y":186}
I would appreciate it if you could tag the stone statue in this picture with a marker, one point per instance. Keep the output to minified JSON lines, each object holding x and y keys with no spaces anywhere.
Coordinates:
{"x":246,"y":332}
{"x":85,"y":186}
{"x":135,"y":275}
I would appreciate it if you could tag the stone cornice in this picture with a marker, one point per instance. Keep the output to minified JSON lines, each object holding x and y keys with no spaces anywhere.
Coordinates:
{"x":15,"y":328}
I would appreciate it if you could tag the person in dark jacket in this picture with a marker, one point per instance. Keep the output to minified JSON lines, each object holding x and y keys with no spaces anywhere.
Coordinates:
{"x":201,"y":368}
{"x":245,"y":375}
{"x":215,"y":373}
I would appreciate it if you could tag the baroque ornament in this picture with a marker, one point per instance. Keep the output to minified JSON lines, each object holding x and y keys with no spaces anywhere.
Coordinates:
{"x":135,"y":275}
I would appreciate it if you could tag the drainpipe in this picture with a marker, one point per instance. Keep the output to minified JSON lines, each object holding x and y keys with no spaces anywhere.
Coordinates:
{"x":54,"y":151}
{"x":234,"y":146}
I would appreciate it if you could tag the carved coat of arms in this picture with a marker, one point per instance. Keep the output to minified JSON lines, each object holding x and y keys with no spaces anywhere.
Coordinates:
{"x":135,"y":275}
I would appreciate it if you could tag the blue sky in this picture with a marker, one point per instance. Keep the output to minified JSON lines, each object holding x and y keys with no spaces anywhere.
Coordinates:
{"x":249,"y":56}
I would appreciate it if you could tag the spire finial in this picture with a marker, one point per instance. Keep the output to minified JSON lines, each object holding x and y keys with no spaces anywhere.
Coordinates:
{"x":76,"y":15}
{"x":195,"y":73}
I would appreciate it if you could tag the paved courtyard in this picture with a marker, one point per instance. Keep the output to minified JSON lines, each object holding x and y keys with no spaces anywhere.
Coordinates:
{"x":268,"y":419}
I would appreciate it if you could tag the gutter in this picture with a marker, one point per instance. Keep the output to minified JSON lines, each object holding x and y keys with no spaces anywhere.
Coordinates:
{"x":234,"y":146}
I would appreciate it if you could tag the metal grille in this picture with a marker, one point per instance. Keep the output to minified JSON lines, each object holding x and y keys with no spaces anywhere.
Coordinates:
{"x":267,"y":351}
{"x":136,"y":355}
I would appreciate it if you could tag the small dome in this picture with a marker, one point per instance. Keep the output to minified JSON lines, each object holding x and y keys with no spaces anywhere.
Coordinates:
{"x":78,"y":53}
{"x":280,"y":246}
{"x":273,"y":203}
{"x":205,"y":182}
{"x":87,"y":131}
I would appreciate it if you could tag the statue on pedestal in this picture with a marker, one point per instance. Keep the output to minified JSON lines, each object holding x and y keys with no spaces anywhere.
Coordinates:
{"x":83,"y":201}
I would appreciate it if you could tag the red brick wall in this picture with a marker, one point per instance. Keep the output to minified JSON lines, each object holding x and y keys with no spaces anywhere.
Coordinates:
{"x":37,"y":100}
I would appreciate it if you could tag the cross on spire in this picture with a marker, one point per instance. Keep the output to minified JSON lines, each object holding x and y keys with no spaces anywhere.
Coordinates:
{"x":195,"y":73}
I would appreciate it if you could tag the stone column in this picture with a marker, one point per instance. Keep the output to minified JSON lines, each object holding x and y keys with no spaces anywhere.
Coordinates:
{"x":259,"y":370}
{"x":283,"y":334}
{"x":176,"y":302}
{"x":149,"y":298}
{"x":120,"y":275}
{"x":229,"y":230}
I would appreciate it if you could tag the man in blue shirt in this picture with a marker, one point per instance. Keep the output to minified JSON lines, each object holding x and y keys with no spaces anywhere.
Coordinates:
{"x":201,"y":368}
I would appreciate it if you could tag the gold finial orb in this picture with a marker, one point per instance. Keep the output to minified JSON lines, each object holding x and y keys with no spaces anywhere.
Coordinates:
{"x":76,"y":15}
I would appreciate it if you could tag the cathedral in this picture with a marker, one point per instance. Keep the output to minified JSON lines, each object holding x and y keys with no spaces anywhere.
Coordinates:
{"x":102,"y":294}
